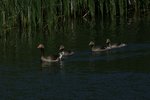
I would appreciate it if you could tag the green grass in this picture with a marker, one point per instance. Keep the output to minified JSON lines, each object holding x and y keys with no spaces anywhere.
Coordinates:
{"x":45,"y":14}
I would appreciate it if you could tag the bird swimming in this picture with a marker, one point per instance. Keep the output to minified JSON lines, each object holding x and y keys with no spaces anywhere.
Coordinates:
{"x":50,"y":58}
{"x":65,"y":52}
{"x":111,"y":45}
{"x":97,"y":48}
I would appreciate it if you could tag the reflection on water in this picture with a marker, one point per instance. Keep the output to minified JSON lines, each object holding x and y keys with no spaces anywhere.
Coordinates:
{"x":52,"y":67}
{"x":117,"y":74}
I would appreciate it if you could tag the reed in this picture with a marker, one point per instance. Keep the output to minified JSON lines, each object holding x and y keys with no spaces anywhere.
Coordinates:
{"x":45,"y":14}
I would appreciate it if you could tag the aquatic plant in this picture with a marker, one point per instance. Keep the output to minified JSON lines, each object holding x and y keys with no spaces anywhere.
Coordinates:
{"x":44,"y":15}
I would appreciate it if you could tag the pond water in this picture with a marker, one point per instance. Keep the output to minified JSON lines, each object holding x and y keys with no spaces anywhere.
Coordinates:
{"x":119,"y":74}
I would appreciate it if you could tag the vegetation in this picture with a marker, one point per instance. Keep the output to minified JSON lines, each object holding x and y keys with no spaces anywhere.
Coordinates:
{"x":45,"y":14}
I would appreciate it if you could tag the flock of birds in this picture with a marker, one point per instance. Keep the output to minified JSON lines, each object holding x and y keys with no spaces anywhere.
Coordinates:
{"x":63,"y":52}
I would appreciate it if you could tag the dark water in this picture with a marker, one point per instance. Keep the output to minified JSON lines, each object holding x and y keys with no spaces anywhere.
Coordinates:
{"x":119,"y":74}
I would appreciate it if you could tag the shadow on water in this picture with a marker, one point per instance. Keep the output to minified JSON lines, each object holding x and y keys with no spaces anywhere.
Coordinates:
{"x":52,"y":67}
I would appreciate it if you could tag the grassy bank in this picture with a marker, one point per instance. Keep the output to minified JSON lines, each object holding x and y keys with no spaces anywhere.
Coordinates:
{"x":45,"y":14}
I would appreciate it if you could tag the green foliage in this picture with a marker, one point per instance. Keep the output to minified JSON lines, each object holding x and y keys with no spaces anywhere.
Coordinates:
{"x":45,"y":14}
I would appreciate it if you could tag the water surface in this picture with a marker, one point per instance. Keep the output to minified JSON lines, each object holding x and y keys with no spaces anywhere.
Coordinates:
{"x":119,"y":74}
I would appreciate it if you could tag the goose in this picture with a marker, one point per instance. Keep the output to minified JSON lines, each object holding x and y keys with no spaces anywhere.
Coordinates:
{"x":96,"y":48}
{"x":51,"y":58}
{"x":65,"y":52}
{"x":114,"y":45}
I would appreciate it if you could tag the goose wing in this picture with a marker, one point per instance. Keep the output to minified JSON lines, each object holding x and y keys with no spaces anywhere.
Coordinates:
{"x":52,"y":57}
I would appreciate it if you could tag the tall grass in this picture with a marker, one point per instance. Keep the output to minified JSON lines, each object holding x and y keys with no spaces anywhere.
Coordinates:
{"x":44,"y":15}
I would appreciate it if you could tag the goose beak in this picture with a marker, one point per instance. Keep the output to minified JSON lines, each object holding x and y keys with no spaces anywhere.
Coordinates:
{"x":91,"y":43}
{"x":40,"y":46}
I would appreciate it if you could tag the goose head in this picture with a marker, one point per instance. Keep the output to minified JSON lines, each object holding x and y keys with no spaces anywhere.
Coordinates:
{"x":40,"y":46}
{"x":91,"y":44}
{"x":108,"y":41}
{"x":61,"y":48}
